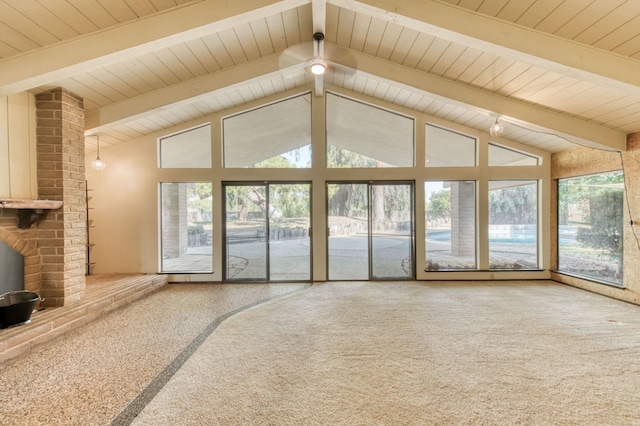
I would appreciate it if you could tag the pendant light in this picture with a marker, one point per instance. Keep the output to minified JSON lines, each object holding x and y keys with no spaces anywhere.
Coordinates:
{"x":98,"y":164}
{"x":496,"y":128}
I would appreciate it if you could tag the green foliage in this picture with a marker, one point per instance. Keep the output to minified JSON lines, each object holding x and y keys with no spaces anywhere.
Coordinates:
{"x":291,"y":200}
{"x":195,"y":229}
{"x":199,"y":201}
{"x":440,"y":202}
{"x":595,"y":204}
{"x":277,"y":162}
{"x":343,"y":158}
{"x":513,"y":205}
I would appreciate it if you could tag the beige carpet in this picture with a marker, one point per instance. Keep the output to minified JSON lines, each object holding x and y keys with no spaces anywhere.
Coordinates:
{"x":414,"y":353}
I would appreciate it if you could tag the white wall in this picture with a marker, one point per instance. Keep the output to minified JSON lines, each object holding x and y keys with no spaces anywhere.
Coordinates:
{"x":18,"y":172}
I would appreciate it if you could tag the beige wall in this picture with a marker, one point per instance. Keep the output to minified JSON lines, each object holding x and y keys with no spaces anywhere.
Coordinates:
{"x":584,"y":161}
{"x":125,"y":196}
{"x":18,"y":147}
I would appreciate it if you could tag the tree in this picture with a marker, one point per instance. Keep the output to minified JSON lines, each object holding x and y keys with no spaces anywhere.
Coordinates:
{"x":513,"y":205}
{"x":199,"y":202}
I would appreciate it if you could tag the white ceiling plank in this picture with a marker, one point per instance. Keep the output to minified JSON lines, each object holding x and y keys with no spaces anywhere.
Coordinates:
{"x":25,"y":26}
{"x":418,"y":50}
{"x":142,"y":71}
{"x":506,"y":39}
{"x":15,"y":41}
{"x":200,"y":50}
{"x":485,"y":78}
{"x":561,"y":15}
{"x":346,"y":18}
{"x":134,"y":80}
{"x":292,"y":27}
{"x":141,"y":7}
{"x":66,"y":12}
{"x":178,"y":93}
{"x":160,"y":68}
{"x":405,"y":42}
{"x":603,"y":27}
{"x":478,"y":66}
{"x":157,"y":31}
{"x":513,"y":10}
{"x":448,"y":57}
{"x":587,"y":17}
{"x":359,"y":31}
{"x":232,"y":45}
{"x":190,"y":61}
{"x":537,"y":13}
{"x":486,"y":102}
{"x":260,"y":31}
{"x":435,"y":51}
{"x":462,"y":63}
{"x":374,"y":36}
{"x":247,"y":41}
{"x":276,"y":31}
{"x":94,"y":12}
{"x":218,"y":51}
{"x":389,"y":40}
{"x":120,"y":10}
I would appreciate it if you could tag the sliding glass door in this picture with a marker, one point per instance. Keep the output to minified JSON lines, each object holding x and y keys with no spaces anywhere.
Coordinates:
{"x":370,"y":231}
{"x":267,"y":232}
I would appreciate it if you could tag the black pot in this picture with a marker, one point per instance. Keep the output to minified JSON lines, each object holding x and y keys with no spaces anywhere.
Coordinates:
{"x":16,"y":307}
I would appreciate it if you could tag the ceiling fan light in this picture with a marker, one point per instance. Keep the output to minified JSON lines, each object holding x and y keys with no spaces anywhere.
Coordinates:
{"x":318,"y":68}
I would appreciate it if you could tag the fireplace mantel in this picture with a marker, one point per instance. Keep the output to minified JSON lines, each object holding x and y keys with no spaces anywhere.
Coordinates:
{"x":29,"y":211}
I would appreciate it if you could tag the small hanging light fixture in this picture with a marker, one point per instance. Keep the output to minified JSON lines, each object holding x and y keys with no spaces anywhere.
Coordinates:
{"x":98,"y":163}
{"x":318,"y":66}
{"x":496,"y":128}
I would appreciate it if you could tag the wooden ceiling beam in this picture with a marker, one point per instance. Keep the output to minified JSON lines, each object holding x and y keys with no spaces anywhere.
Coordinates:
{"x":189,"y":21}
{"x":469,"y":28}
{"x":535,"y":118}
{"x":176,"y":95}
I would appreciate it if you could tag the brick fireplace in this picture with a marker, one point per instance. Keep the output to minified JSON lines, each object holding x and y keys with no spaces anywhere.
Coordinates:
{"x":54,"y":246}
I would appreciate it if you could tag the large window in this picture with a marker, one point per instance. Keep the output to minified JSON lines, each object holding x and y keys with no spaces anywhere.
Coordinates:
{"x":513,"y":224}
{"x":446,"y":148}
{"x":274,"y":136}
{"x":501,"y":156}
{"x":590,"y":219}
{"x":186,"y":227}
{"x":188,"y":149}
{"x":450,"y":224}
{"x":360,"y":135}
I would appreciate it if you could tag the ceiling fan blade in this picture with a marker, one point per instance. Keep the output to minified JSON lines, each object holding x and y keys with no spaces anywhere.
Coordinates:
{"x":340,"y":58}
{"x":295,"y":55}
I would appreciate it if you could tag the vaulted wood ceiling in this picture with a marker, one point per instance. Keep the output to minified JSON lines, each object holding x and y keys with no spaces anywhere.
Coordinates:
{"x":557,"y":72}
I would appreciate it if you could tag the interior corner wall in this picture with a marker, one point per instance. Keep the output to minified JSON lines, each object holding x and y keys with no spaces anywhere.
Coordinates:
{"x":585,"y":161}
{"x":124,"y":210}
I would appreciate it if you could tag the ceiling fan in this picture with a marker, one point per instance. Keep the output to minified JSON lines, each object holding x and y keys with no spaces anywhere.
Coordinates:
{"x":312,"y":57}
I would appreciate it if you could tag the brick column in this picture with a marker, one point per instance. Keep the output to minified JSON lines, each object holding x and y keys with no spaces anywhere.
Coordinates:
{"x":61,"y":176}
{"x":463,"y":216}
{"x":174,"y":220}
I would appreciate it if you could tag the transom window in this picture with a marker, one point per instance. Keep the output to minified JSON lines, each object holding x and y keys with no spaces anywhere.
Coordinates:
{"x":502,"y":156}
{"x":363,"y":136}
{"x":273,"y":136}
{"x":190,"y":149}
{"x":446,"y":148}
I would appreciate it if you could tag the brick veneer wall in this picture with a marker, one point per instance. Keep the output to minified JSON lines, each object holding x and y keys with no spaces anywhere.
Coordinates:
{"x":584,"y":161}
{"x":61,"y":176}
